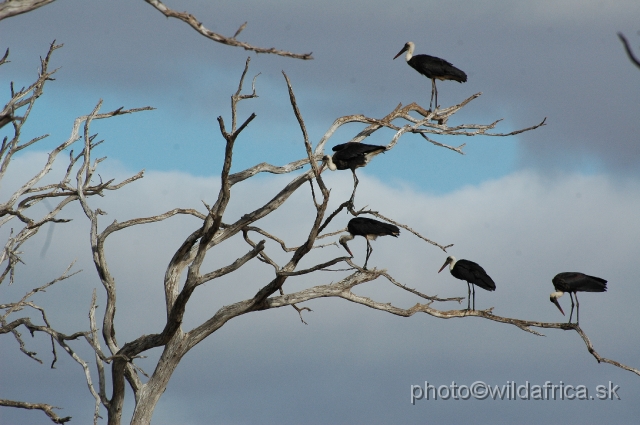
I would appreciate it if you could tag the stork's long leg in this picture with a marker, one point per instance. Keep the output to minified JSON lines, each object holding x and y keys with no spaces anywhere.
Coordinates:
{"x":433,"y":91}
{"x":355,"y":185}
{"x":474,"y":296}
{"x":577,"y":309}
{"x":369,"y":250}
{"x":469,"y":296}
{"x":572,"y":305}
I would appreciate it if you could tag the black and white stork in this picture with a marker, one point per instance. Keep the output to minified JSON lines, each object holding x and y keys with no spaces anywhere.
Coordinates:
{"x":472,"y":272}
{"x":352,"y":155}
{"x":574,"y":282}
{"x":370,"y":229}
{"x":433,"y":68}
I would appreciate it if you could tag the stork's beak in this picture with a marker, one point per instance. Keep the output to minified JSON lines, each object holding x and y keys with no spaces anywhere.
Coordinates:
{"x":555,"y":301}
{"x":404,"y":49}
{"x":446,"y":262}
{"x":344,"y":244}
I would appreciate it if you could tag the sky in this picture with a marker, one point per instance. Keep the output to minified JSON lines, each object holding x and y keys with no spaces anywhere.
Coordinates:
{"x":564,"y":197}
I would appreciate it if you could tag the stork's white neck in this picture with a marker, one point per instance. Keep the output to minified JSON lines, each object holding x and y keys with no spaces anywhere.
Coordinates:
{"x":346,"y":238}
{"x":409,"y":54}
{"x":556,"y":295}
{"x":330,"y":163}
{"x":453,"y":259}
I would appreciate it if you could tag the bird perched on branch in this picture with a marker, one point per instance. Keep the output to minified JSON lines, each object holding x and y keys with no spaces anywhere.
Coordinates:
{"x":352,"y":155}
{"x":370,"y":229}
{"x":574,"y":282}
{"x":472,"y":272}
{"x":433,"y":68}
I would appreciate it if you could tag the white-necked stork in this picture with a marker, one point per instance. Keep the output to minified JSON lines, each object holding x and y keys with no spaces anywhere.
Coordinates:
{"x":370,"y":229}
{"x":433,"y":68}
{"x":574,"y":282}
{"x":472,"y":272}
{"x":352,"y":155}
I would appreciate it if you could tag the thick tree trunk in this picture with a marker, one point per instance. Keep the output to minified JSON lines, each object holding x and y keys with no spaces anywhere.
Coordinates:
{"x":150,"y":393}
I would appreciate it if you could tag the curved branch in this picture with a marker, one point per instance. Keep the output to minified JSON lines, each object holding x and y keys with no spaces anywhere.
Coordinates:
{"x":115,"y":226}
{"x":627,"y":48}
{"x":229,"y":41}
{"x":268,"y":168}
{"x":46,"y":408}
{"x":599,"y":358}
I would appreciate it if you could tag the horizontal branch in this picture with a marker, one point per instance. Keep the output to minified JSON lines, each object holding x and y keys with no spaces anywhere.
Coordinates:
{"x":314,"y":268}
{"x":115,"y":226}
{"x":46,"y":408}
{"x":342,"y":289}
{"x":268,"y":168}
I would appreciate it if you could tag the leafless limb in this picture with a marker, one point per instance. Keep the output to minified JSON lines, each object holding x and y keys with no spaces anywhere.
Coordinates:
{"x":431,"y":122}
{"x":282,"y":243}
{"x":230,"y":41}
{"x":343,"y":289}
{"x":418,"y":293}
{"x":46,"y":408}
{"x":4,"y":60}
{"x":10,"y":8}
{"x":627,"y":48}
{"x":404,"y":226}
{"x":99,"y":356}
{"x":314,"y":268}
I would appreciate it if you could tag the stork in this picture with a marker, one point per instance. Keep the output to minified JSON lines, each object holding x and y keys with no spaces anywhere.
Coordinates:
{"x":573,"y":282}
{"x":472,"y":272}
{"x":370,"y":229}
{"x":432,"y":67}
{"x":352,"y":155}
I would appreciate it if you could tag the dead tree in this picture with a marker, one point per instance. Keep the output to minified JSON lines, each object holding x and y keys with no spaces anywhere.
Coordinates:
{"x":17,"y":211}
{"x":115,"y":366}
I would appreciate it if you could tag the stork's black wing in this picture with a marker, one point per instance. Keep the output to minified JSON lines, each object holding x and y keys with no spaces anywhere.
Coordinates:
{"x":363,"y":226}
{"x":351,"y":150}
{"x":473,"y":273}
{"x":575,"y":281}
{"x":433,"y":67}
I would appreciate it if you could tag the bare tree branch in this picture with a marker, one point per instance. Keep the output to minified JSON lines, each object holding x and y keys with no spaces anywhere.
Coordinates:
{"x":230,"y":41}
{"x":404,"y":226}
{"x":343,"y":289}
{"x":46,"y":408}
{"x":627,"y":48}
{"x":10,"y":8}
